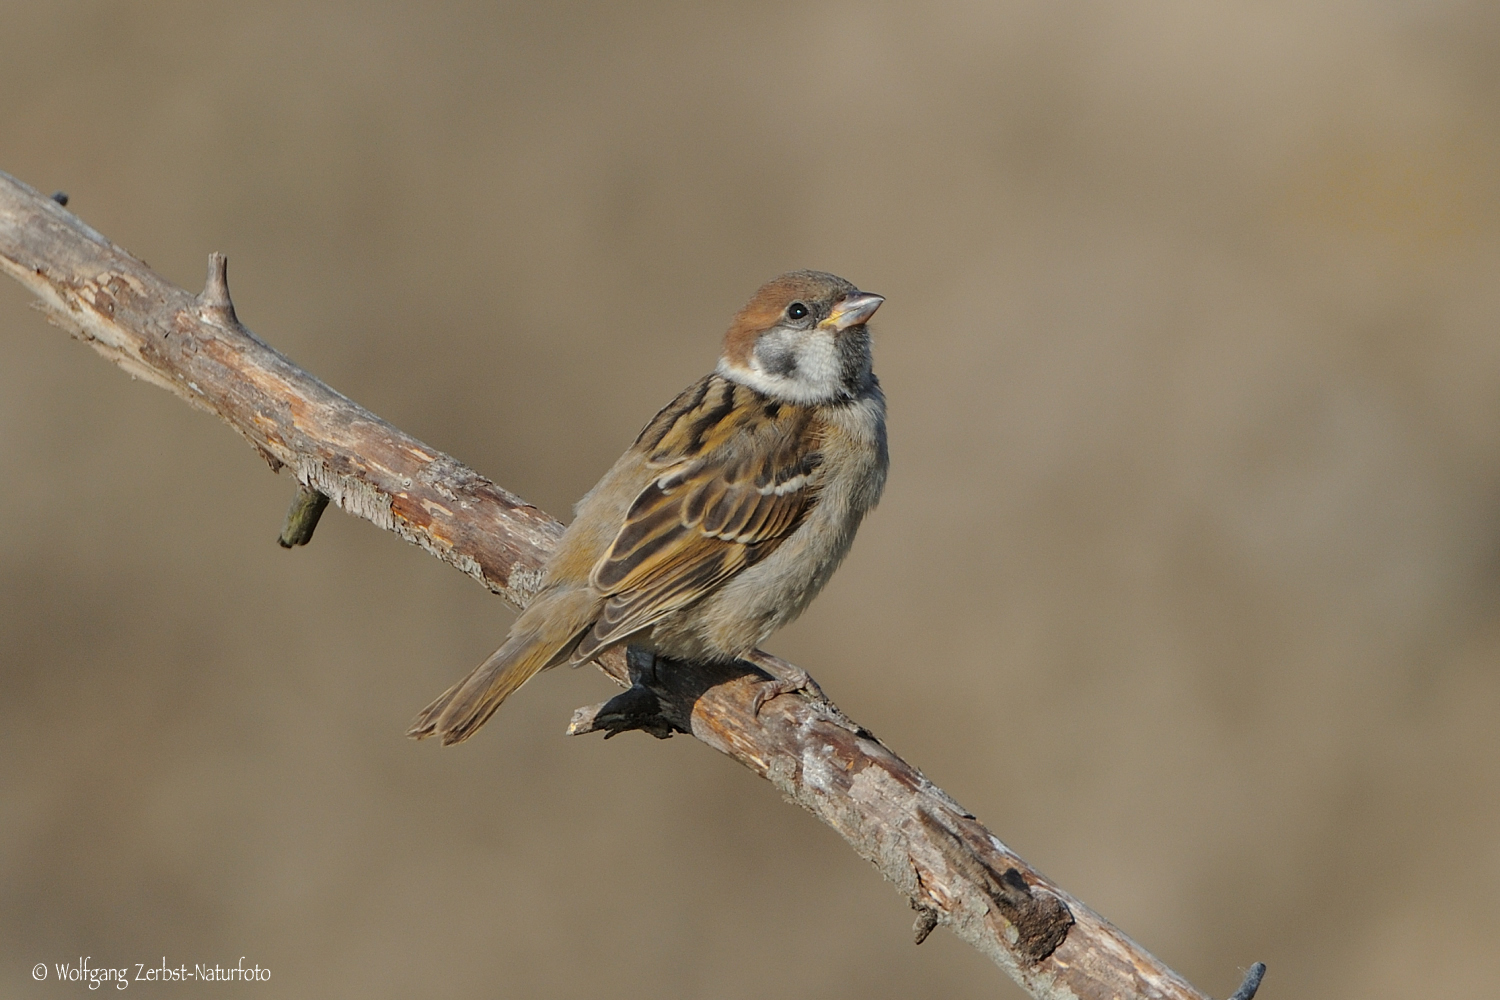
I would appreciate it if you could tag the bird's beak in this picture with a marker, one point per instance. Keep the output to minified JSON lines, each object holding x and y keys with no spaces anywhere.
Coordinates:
{"x":853,"y":310}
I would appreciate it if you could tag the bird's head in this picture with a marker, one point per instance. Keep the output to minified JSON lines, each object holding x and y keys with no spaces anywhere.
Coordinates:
{"x":802,"y":339}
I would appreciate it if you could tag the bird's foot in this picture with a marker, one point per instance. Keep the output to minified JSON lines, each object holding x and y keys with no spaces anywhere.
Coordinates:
{"x":786,"y":678}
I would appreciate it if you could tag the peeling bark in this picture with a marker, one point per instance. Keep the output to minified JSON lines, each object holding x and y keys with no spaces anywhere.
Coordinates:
{"x":954,"y":871}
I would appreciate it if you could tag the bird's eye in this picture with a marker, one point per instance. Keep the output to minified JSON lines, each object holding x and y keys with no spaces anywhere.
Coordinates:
{"x":796,"y":310}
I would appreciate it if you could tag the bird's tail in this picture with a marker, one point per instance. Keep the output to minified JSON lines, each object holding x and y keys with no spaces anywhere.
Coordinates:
{"x":462,"y":709}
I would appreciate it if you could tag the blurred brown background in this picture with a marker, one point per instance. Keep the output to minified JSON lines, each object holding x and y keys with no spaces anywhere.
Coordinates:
{"x":1187,"y":580}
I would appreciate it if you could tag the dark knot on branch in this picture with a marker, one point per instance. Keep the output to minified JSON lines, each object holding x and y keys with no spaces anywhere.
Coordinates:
{"x":1041,"y":920}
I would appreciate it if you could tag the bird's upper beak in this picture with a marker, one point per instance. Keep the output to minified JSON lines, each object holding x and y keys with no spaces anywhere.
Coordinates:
{"x":853,"y":310}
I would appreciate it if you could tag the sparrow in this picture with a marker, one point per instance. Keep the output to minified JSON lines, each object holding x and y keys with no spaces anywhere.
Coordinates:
{"x":726,"y":516}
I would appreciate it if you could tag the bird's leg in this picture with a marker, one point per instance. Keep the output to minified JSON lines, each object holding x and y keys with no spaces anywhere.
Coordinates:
{"x":786,"y":679}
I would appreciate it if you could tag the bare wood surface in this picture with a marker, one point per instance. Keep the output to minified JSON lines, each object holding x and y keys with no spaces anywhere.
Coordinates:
{"x":954,"y":871}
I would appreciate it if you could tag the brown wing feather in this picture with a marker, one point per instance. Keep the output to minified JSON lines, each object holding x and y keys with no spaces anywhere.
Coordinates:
{"x":727,"y":496}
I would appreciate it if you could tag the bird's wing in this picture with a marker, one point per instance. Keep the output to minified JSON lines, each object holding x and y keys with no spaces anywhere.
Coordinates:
{"x":712,"y":512}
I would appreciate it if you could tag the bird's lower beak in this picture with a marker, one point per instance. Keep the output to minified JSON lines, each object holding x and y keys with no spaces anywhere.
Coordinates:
{"x":853,"y":310}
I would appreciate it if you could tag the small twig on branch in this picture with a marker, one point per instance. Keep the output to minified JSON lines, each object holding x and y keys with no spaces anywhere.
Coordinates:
{"x":925,"y":924}
{"x":953,"y":870}
{"x":1251,"y":984}
{"x":302,"y":517}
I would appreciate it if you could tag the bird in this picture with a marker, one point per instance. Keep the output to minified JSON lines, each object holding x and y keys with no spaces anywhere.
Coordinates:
{"x":724,"y":519}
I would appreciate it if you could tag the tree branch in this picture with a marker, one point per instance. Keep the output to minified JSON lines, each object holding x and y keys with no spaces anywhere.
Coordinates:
{"x":954,"y":871}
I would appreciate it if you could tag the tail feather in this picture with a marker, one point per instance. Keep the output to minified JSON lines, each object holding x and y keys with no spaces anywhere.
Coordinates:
{"x":462,"y":709}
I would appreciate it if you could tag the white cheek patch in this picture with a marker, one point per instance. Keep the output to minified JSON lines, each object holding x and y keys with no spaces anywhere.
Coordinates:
{"x":801,"y":367}
{"x":818,"y":360}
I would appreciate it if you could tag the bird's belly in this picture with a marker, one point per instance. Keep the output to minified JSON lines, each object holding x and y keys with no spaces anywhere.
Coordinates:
{"x":734,"y":619}
{"x":731,"y":621}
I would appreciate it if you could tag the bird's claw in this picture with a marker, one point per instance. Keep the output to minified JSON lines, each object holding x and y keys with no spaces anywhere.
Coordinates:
{"x":773,"y":689}
{"x":785,"y":679}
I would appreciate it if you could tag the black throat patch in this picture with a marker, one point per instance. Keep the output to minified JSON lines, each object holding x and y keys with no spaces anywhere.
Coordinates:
{"x":778,"y":361}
